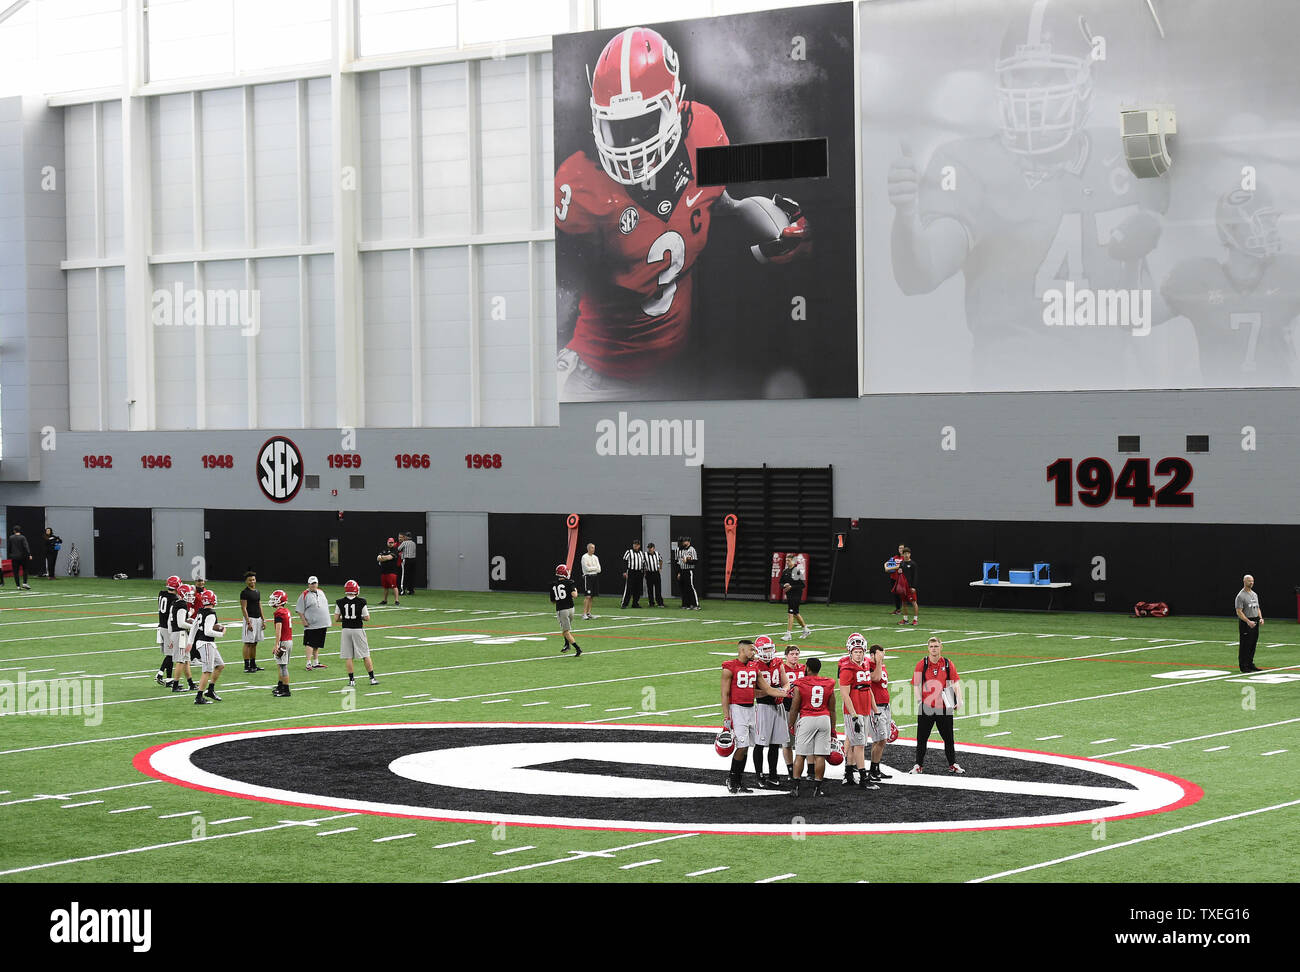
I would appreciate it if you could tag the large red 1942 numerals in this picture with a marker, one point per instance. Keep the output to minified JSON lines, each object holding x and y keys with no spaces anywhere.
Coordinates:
{"x":97,"y":462}
{"x":1098,"y":483}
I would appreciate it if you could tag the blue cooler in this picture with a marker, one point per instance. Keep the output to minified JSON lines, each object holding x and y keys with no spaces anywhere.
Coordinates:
{"x":1021,"y":576}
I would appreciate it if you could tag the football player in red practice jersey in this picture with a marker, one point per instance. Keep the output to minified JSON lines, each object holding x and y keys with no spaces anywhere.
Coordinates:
{"x":740,"y":685}
{"x":793,"y":672}
{"x":855,"y":694}
{"x":645,"y":220}
{"x":812,"y":723}
{"x":881,"y":722}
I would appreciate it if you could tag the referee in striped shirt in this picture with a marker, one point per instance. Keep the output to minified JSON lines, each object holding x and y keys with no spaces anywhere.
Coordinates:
{"x":654,"y":581}
{"x":634,"y":563}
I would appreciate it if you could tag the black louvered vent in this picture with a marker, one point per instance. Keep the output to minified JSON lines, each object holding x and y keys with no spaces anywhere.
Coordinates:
{"x":776,"y":509}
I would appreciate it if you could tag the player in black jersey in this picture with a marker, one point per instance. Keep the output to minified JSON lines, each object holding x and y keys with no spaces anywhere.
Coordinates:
{"x":562,"y":593}
{"x":353,"y":614}
{"x":166,"y":598}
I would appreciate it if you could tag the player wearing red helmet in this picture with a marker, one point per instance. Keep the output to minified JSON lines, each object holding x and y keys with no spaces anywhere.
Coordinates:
{"x":769,"y":714}
{"x":166,"y":598}
{"x":645,"y":219}
{"x":741,"y":685}
{"x":562,"y":593}
{"x":352,"y":612}
{"x":388,"y":561}
{"x":178,"y":623}
{"x":205,"y":629}
{"x":283,"y":623}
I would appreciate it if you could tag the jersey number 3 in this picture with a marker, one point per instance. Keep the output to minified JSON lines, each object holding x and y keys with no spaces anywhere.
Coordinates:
{"x":673,"y":247}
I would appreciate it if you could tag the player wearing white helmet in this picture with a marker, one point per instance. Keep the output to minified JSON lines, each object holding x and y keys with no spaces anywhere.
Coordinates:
{"x":353,"y":614}
{"x":855,"y":695}
{"x":771,"y":731}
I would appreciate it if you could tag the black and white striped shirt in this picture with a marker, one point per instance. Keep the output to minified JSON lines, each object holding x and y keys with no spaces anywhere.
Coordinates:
{"x":653,"y":562}
{"x":686,"y":558}
{"x":634,"y":559}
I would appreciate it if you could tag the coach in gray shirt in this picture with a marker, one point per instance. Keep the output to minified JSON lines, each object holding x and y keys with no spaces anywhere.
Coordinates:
{"x":314,"y":609}
{"x":1248,"y":621}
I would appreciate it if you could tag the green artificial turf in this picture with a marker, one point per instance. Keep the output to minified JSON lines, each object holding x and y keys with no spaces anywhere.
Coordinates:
{"x":1076,"y":677}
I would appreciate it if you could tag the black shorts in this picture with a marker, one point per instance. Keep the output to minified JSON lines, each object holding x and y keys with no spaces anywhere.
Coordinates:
{"x":314,"y":637}
{"x":794,"y":602}
{"x":591,"y":585}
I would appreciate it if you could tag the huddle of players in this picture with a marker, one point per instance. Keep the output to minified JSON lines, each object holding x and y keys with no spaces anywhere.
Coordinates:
{"x":188,"y":630}
{"x":766,"y":703}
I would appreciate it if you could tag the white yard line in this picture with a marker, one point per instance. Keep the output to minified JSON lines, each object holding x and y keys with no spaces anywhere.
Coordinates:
{"x":630,"y":867}
{"x":1129,"y":843}
{"x":573,"y":856}
{"x":1211,"y":735}
{"x":454,"y":843}
{"x":131,"y":809}
{"x":153,"y":847}
{"x":779,"y":877}
{"x":384,"y":840}
{"x":708,"y":870}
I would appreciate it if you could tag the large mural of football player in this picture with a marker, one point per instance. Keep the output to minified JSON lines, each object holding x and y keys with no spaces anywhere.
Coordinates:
{"x":1242,"y":306}
{"x":1008,"y":247}
{"x":1044,"y":206}
{"x":668,"y":288}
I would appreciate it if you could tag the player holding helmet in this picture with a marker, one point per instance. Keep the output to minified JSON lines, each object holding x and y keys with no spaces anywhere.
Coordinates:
{"x":741,"y":684}
{"x":639,"y":211}
{"x":282,"y":621}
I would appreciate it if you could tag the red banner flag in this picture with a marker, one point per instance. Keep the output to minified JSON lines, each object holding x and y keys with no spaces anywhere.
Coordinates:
{"x":729,"y":526}
{"x":572,"y":524}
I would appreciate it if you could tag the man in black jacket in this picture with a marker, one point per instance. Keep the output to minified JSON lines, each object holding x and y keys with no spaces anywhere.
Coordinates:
{"x":21,"y":554}
{"x":52,"y":546}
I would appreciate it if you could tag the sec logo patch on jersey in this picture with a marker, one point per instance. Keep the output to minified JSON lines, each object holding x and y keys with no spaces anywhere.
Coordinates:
{"x":627,"y":220}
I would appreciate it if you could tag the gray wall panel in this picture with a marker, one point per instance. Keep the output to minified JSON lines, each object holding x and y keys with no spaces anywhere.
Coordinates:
{"x":886,"y":450}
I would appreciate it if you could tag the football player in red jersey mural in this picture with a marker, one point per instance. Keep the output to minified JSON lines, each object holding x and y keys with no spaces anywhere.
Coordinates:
{"x":642,"y":220}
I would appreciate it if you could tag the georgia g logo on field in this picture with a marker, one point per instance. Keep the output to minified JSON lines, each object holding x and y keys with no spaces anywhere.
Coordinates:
{"x":279,"y":469}
{"x":638,"y":777}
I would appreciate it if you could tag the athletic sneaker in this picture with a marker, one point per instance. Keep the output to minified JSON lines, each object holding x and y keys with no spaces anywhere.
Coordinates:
{"x":915,"y":622}
{"x":576,"y":651}
{"x":158,"y":677}
{"x":868,"y":783}
{"x":806,"y":632}
{"x":737,"y":788}
{"x":764,"y":784}
{"x":914,"y":771}
{"x":373,"y":680}
{"x":319,"y":665}
{"x":882,"y":775}
{"x":176,"y":687}
{"x":565,"y":648}
{"x":309,"y":666}
{"x":586,"y":617}
{"x":954,"y":768}
{"x":256,"y":668}
{"x":904,"y":621}
{"x":200,"y":700}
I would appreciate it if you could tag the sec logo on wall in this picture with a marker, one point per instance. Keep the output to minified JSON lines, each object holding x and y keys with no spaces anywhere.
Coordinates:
{"x":279,"y":469}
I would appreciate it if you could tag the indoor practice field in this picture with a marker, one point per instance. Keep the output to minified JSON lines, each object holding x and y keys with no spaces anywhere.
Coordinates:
{"x":1162,"y":695}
